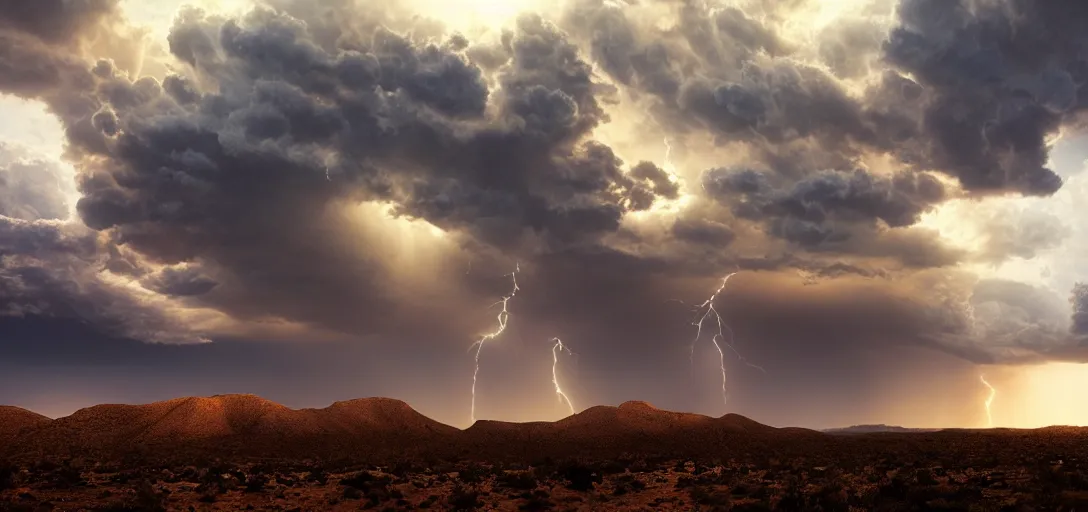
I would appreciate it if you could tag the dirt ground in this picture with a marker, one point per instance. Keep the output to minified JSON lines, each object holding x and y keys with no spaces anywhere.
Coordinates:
{"x":865,"y":480}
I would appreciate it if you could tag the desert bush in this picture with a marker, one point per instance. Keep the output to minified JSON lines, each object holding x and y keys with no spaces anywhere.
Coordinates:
{"x":580,"y":477}
{"x":791,"y":498}
{"x":943,"y":505}
{"x":352,"y":493}
{"x":624,"y":484}
{"x":377,"y":495}
{"x":537,"y":501}
{"x":640,"y":465}
{"x":208,"y":495}
{"x":318,"y":476}
{"x":520,"y":480}
{"x":45,"y":466}
{"x":403,"y":469}
{"x":743,"y":488}
{"x":117,"y":506}
{"x":149,"y":499}
{"x":706,"y":496}
{"x":685,"y":482}
{"x":256,"y":482}
{"x":365,"y":480}
{"x":543,"y":473}
{"x":472,"y":473}
{"x":228,"y":482}
{"x":895,"y":489}
{"x":188,"y":474}
{"x":7,"y":476}
{"x":66,"y":477}
{"x":463,"y":499}
{"x":610,"y":467}
{"x":924,"y":476}
{"x":832,"y":497}
{"x":286,"y":480}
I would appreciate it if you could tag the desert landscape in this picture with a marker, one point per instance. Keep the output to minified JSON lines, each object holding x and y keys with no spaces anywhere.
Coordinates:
{"x":241,"y":452}
{"x":781,"y":213}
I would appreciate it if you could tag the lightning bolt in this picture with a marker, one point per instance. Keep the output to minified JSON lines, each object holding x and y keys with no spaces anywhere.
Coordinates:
{"x":503,"y":317}
{"x":989,"y":400}
{"x":556,"y":349}
{"x":707,"y":309}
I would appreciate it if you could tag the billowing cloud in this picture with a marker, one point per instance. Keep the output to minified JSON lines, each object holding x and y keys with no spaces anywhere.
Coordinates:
{"x":32,"y":188}
{"x":337,"y":167}
{"x":1021,"y":234}
{"x":51,"y":269}
{"x":54,"y":21}
{"x":805,"y":211}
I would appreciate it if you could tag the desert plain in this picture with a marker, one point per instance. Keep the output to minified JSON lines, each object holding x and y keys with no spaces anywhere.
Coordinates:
{"x":242,"y":452}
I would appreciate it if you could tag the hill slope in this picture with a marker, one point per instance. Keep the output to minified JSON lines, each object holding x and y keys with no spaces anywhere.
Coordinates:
{"x":15,"y":420}
{"x":240,"y":425}
{"x":632,"y":428}
{"x":365,"y":416}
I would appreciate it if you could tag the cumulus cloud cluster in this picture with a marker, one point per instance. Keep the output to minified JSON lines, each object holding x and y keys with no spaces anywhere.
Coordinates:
{"x":231,"y":183}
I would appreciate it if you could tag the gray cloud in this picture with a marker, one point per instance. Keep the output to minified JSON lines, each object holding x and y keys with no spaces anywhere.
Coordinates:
{"x":1019,"y":320}
{"x":234,"y":183}
{"x":979,"y":111}
{"x":821,"y":208}
{"x":184,"y":281}
{"x":51,"y":270}
{"x":1079,"y":301}
{"x":31,"y":188}
{"x":703,"y":231}
{"x":54,"y":21}
{"x":997,"y":79}
{"x":46,"y":46}
{"x":250,"y":178}
{"x":1021,"y":234}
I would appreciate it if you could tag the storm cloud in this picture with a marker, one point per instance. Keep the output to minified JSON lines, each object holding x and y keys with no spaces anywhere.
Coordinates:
{"x":350,"y":169}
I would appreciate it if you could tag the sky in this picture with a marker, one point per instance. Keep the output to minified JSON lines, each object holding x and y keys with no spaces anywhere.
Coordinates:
{"x":318,"y":201}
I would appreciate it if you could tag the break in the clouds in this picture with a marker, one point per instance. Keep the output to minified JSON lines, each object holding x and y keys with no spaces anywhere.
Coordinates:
{"x":249,"y":169}
{"x":31,"y":187}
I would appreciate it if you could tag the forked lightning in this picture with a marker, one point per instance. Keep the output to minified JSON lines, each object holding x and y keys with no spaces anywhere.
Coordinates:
{"x":989,"y":400}
{"x":503,"y":317}
{"x":707,"y":309}
{"x":556,"y":349}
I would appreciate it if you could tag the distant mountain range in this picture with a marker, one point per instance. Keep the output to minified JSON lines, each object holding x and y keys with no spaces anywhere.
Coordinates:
{"x":368,"y":428}
{"x":871,"y":429}
{"x":383,"y":429}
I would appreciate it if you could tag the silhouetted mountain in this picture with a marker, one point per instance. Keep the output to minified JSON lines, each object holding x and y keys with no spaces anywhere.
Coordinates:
{"x":633,"y":427}
{"x":870,"y":429}
{"x":239,"y":425}
{"x":632,"y":416}
{"x":369,"y":415}
{"x":743,"y":424}
{"x":247,"y":426}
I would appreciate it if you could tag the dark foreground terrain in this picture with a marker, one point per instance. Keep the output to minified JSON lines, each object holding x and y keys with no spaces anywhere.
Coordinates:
{"x":244,"y":453}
